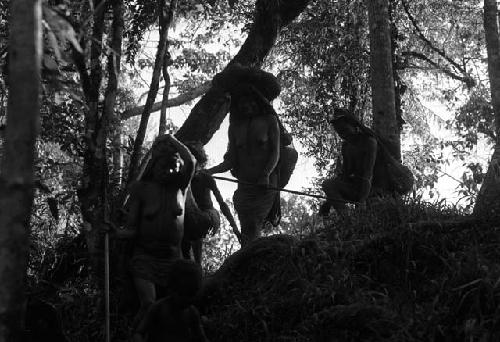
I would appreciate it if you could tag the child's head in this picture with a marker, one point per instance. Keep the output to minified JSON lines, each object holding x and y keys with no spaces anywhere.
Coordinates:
{"x":185,"y":280}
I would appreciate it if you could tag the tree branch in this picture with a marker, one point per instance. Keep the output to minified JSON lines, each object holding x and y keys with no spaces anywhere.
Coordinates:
{"x":81,"y":67}
{"x":174,"y":102}
{"x":110,"y":120}
{"x":270,"y":17}
{"x":164,"y":19}
{"x":166,"y":92}
{"x":167,"y":60}
{"x":114,"y":58}
{"x":469,"y":81}
{"x":440,"y":52}
{"x":96,"y":50}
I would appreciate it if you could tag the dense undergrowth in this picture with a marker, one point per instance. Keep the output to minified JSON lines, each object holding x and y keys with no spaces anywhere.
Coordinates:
{"x":396,"y":271}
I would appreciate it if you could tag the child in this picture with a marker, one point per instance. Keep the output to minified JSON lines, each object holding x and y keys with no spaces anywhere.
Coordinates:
{"x":201,"y":216}
{"x":174,"y":318}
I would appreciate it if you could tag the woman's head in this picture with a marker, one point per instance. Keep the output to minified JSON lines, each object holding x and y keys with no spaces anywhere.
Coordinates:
{"x":345,"y":129}
{"x":165,"y":161}
{"x":345,"y":124}
{"x":163,"y":167}
{"x":247,"y":101}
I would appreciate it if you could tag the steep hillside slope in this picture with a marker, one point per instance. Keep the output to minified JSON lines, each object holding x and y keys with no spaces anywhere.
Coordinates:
{"x":370,"y":277}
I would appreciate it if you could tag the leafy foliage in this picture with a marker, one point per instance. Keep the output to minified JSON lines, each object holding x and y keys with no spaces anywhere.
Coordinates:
{"x":324,"y":63}
{"x":62,"y":123}
{"x":143,"y":15}
{"x":425,"y":160}
{"x":4,"y":27}
{"x":449,"y":33}
{"x":297,"y":216}
{"x":475,"y":116}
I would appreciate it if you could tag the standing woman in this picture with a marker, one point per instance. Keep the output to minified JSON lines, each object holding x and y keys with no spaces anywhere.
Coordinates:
{"x":155,"y":218}
{"x":252,"y":156}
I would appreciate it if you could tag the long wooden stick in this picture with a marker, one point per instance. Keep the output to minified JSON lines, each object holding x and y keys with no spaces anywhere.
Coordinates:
{"x":106,"y":287}
{"x":296,"y":192}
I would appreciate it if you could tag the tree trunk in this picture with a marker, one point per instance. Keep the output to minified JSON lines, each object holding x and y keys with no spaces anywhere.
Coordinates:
{"x":173,"y":102}
{"x":488,"y":200}
{"x":164,"y":23}
{"x":110,"y":96}
{"x":16,"y":180}
{"x":399,"y":86}
{"x":382,"y":81}
{"x":166,"y":90}
{"x":270,"y":17}
{"x":95,"y":171}
{"x":117,"y":156}
{"x":93,"y":192}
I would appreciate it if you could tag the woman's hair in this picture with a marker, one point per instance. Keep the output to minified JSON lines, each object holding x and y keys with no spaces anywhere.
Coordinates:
{"x":236,"y":74}
{"x":196,"y":148}
{"x":347,"y":116}
{"x":246,"y":91}
{"x":160,"y":148}
{"x":342,"y":114}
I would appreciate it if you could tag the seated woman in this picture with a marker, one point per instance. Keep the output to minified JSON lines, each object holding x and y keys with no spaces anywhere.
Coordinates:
{"x":359,"y":152}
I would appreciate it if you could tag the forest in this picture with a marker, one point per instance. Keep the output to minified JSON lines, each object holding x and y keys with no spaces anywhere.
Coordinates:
{"x":88,"y":90}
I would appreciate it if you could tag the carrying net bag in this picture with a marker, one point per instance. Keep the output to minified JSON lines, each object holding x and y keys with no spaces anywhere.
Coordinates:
{"x":390,"y":174}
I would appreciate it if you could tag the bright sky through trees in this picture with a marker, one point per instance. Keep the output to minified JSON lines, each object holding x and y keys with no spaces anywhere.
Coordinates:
{"x":449,"y":177}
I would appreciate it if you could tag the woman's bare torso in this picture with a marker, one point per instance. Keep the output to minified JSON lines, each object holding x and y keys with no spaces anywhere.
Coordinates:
{"x":161,"y":220}
{"x":252,"y":146}
{"x":355,"y":155}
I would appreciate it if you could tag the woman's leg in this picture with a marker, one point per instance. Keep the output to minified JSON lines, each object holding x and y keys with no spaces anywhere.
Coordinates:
{"x":186,"y":248}
{"x":250,"y":228}
{"x":197,"y":246}
{"x":334,"y":189}
{"x":288,"y":160}
{"x":146,"y":292}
